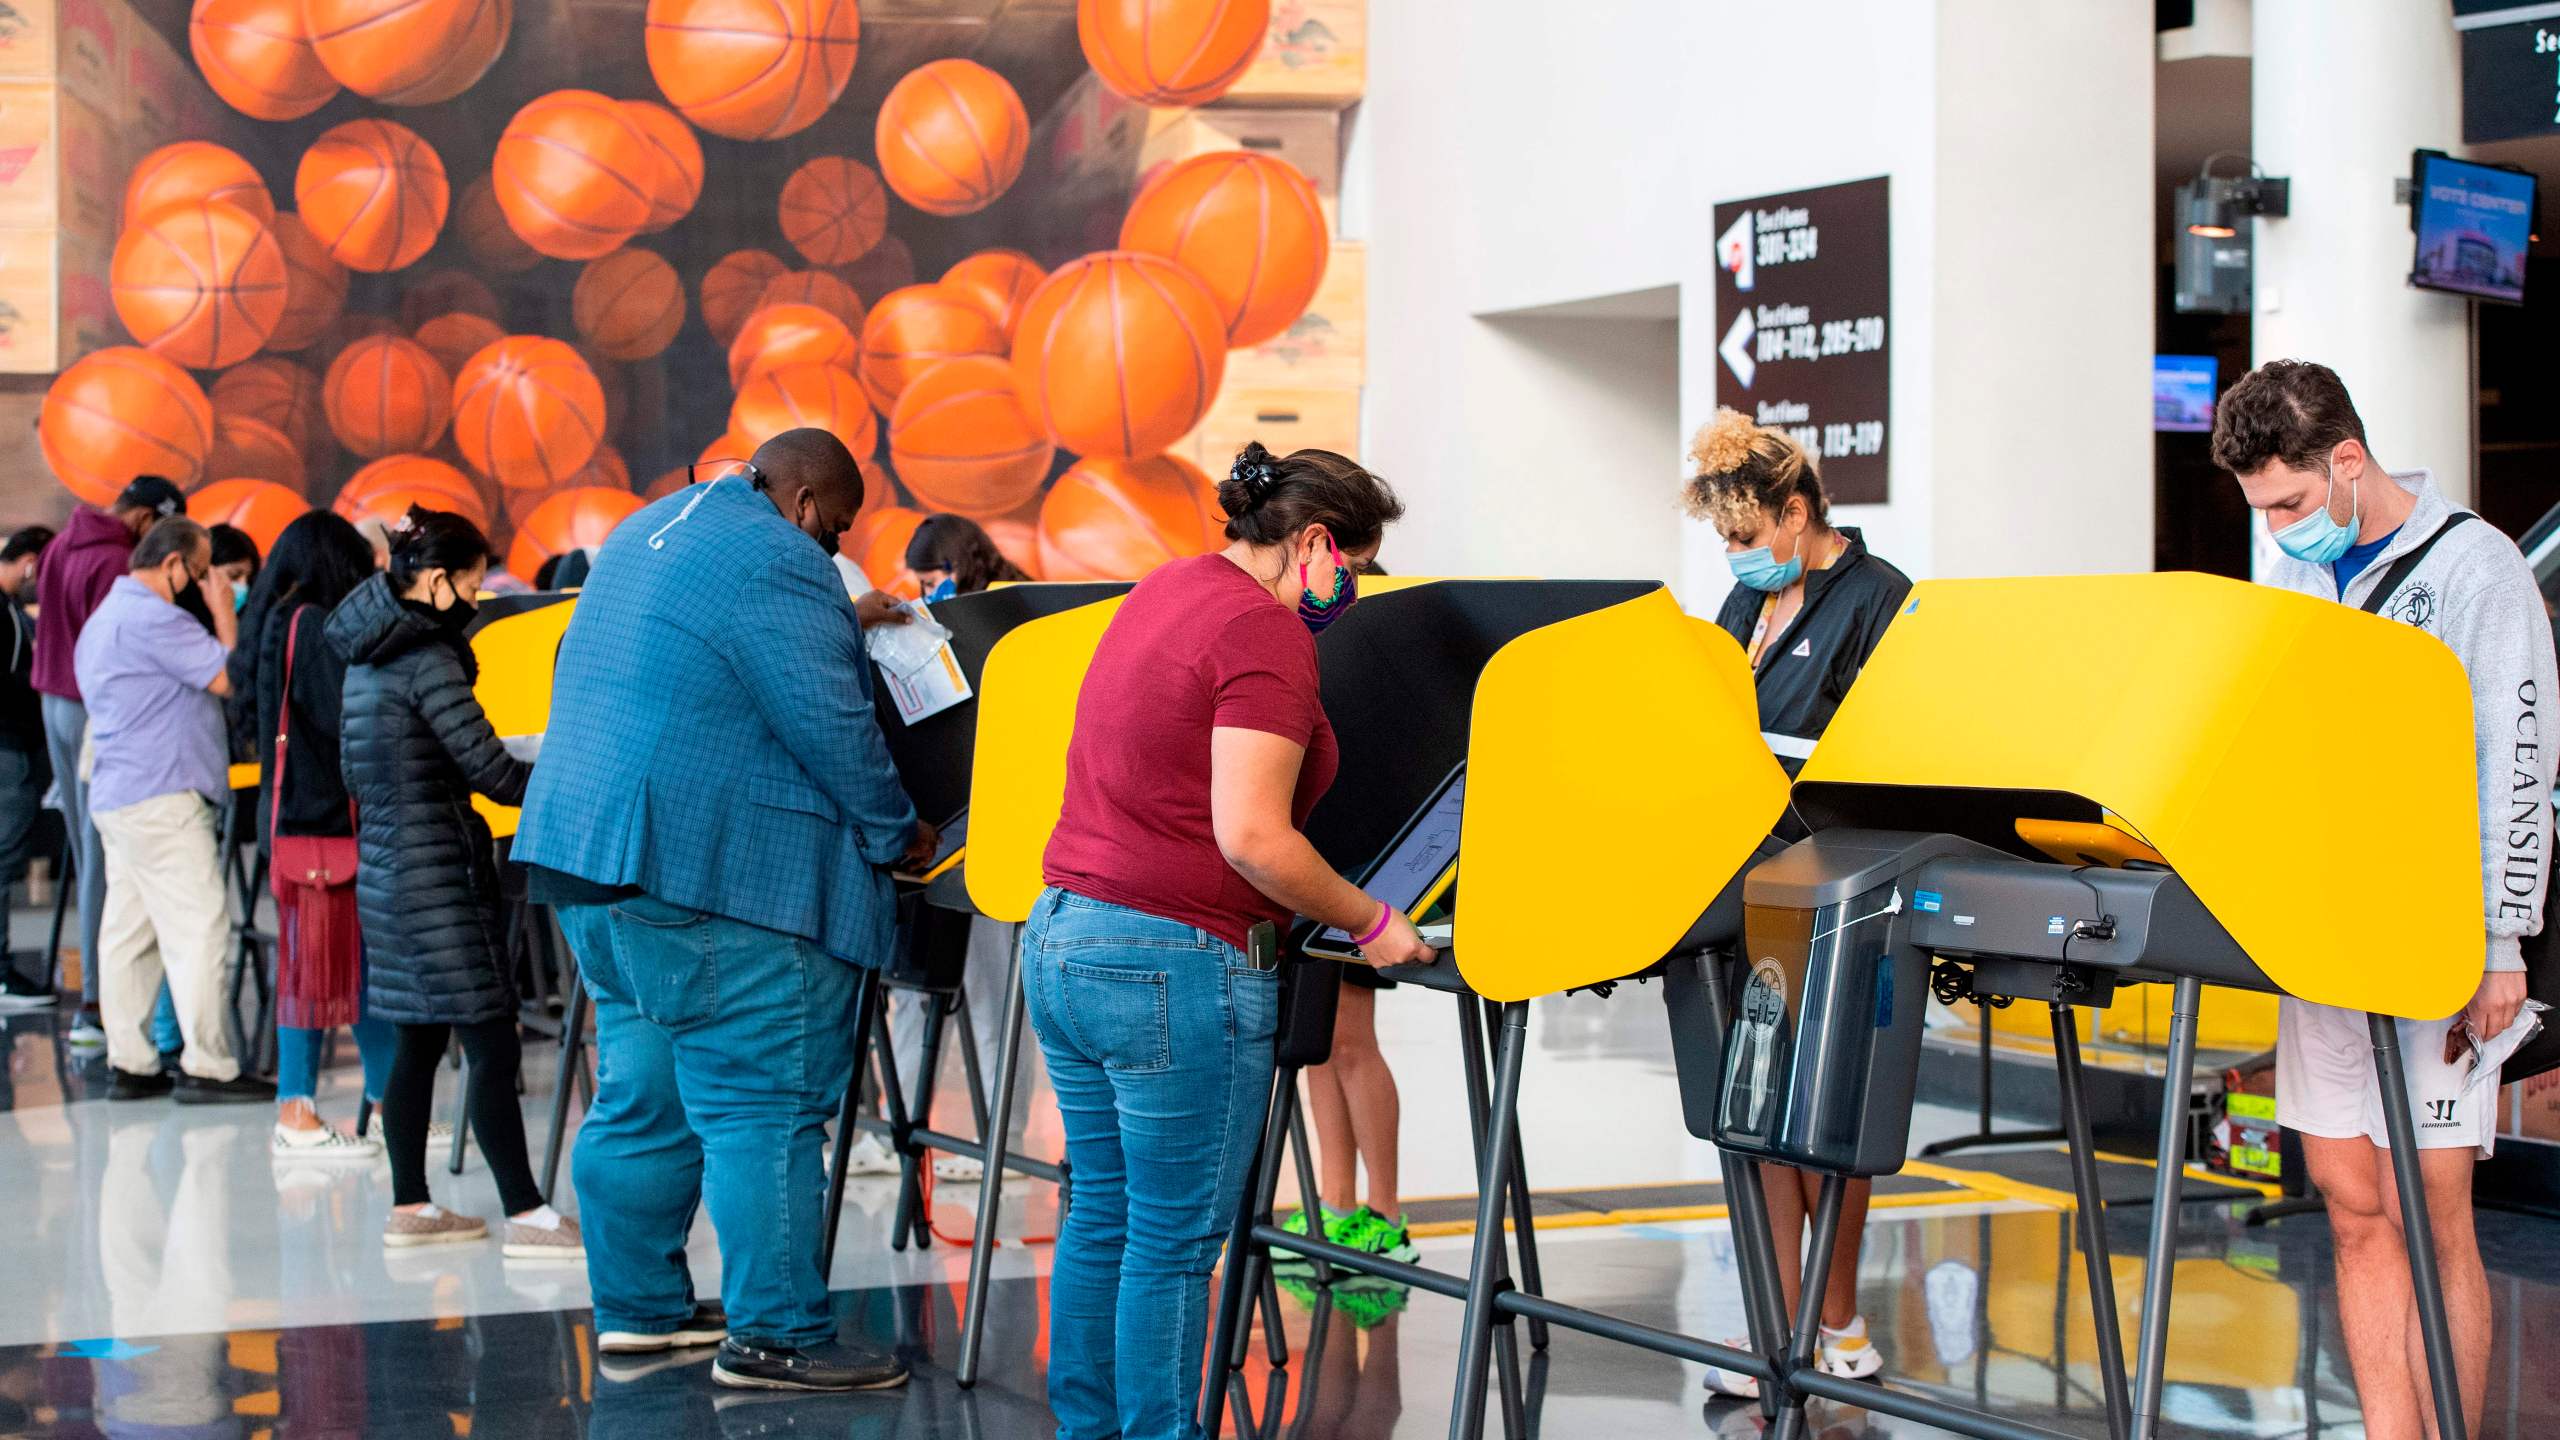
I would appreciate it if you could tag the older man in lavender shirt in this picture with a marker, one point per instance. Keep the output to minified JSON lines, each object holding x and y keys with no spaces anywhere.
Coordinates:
{"x":154,"y":680}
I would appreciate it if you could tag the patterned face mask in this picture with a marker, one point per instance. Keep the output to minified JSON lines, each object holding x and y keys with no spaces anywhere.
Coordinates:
{"x":1317,"y":614}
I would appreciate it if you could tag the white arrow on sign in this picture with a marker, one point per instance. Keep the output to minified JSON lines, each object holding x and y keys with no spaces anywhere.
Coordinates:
{"x":1736,"y":348}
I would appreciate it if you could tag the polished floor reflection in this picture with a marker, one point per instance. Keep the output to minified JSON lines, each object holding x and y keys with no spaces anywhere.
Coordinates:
{"x":166,"y":1277}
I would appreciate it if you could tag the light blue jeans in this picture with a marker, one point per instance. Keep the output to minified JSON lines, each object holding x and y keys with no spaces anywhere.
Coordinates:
{"x":1158,"y":1037}
{"x":722,"y":1051}
{"x":298,"y":1058}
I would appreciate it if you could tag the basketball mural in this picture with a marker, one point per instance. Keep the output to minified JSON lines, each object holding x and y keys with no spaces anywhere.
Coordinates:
{"x":529,"y":261}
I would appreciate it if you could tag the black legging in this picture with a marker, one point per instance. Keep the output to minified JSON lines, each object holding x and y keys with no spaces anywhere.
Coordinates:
{"x":493,"y":1052}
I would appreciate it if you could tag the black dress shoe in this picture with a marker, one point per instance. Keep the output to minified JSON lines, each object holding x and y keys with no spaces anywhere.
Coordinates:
{"x":240,"y":1090}
{"x":128,"y":1086}
{"x":830,"y":1368}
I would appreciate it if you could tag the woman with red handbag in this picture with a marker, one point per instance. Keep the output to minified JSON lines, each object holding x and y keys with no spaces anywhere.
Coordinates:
{"x":285,"y":685}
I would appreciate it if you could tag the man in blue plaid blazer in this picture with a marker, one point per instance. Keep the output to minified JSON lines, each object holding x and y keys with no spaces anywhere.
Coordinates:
{"x":714,"y":818}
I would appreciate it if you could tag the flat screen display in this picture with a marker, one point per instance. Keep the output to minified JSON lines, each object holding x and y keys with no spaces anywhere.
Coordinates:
{"x":2182,"y":388}
{"x":1419,"y":856}
{"x":2475,"y":223}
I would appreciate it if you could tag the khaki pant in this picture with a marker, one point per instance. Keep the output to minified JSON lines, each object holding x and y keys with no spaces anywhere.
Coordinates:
{"x":165,"y":910}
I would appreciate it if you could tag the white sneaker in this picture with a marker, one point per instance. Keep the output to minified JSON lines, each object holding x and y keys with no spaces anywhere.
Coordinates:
{"x":870,"y":1155}
{"x":322,"y":1143}
{"x":1845,"y":1352}
{"x":959,"y":1169}
{"x":1733,"y":1382}
{"x":87,"y":1034}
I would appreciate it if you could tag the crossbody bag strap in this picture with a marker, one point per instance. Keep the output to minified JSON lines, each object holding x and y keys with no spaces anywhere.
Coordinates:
{"x":2407,"y":565}
{"x":284,"y":722}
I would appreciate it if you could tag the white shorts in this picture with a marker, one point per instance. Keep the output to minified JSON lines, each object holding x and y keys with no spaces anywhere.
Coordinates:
{"x":2326,"y":1085}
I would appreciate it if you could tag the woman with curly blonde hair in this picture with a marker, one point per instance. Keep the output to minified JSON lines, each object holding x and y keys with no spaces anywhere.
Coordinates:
{"x":1809,"y":603}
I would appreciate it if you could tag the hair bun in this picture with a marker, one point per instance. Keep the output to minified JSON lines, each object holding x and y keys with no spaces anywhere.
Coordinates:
{"x":1723,"y":445}
{"x":1254,"y":471}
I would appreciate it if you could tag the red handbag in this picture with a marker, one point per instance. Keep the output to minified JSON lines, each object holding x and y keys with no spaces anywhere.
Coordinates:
{"x":319,"y":963}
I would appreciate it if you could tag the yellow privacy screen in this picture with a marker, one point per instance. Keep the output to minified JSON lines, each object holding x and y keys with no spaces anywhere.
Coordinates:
{"x":1018,"y":777}
{"x":1026,"y":716}
{"x":516,"y":655}
{"x":1633,"y":727}
{"x":2305,"y":767}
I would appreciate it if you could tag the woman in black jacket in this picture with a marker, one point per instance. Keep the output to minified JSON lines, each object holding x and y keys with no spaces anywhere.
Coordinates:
{"x":318,"y":561}
{"x":415,"y":748}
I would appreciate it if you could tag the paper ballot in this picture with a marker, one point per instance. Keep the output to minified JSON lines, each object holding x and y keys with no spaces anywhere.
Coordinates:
{"x":2492,"y":1055}
{"x":916,"y":663}
{"x":527,"y":748}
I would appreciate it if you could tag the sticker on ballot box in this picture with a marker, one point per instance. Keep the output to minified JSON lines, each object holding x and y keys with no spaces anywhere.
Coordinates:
{"x":1928,"y":901}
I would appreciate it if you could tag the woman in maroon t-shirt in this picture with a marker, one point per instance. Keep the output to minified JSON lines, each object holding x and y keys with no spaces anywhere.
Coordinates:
{"x":1200,"y":745}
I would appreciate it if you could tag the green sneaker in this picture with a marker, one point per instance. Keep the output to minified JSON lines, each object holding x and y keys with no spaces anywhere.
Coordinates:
{"x":1371,"y":1233}
{"x":1366,"y":1305}
{"x":1285,"y":1261}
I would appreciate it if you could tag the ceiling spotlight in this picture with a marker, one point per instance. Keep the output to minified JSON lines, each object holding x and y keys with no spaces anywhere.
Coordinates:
{"x":2217,"y":203}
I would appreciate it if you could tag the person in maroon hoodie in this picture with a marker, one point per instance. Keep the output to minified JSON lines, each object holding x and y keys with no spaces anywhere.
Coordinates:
{"x":93,"y":551}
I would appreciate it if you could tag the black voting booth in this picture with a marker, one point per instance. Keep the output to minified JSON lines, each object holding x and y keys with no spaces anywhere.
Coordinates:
{"x":933,"y":757}
{"x":1401,"y":683}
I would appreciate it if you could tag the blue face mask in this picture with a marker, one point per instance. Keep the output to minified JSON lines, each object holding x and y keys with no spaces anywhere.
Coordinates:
{"x":943,"y":591}
{"x":2315,"y":539}
{"x":1757,"y":569}
{"x":239,"y":594}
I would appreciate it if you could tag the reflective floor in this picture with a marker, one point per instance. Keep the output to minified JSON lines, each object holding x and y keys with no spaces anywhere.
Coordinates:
{"x":165,"y":1277}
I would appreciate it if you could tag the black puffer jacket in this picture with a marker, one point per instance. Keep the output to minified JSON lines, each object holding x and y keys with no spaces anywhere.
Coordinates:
{"x":414,"y":746}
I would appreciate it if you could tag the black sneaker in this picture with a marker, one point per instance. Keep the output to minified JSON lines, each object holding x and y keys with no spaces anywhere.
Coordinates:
{"x":19,"y":994}
{"x":707,"y":1325}
{"x":834,"y":1367}
{"x":241,"y":1090}
{"x":128,"y":1086}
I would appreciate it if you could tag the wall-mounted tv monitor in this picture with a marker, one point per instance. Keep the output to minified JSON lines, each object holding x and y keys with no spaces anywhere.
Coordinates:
{"x":2474,"y":224}
{"x":2182,"y":392}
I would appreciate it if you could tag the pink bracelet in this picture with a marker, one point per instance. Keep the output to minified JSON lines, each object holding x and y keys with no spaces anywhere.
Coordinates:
{"x":1386,"y":912}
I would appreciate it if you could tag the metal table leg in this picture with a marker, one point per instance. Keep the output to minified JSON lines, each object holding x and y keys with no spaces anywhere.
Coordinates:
{"x":573,"y":1045}
{"x":866,"y":1010}
{"x":1227,"y":1329}
{"x":1484,"y":1324}
{"x":2092,"y":1219}
{"x":973,"y":1325}
{"x":2161,"y":1261}
{"x":2417,"y":1229}
{"x":1808,"y":1324}
{"x":1524,"y":1227}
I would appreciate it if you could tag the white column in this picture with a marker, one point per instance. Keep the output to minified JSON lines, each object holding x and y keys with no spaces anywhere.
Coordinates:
{"x":2341,"y":94}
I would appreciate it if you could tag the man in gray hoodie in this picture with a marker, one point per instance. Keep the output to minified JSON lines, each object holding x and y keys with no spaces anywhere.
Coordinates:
{"x":2291,"y":434}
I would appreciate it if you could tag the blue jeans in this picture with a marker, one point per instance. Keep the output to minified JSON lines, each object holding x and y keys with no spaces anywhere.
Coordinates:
{"x":722,"y":1051}
{"x":298,"y":1058}
{"x":1159,"y":1042}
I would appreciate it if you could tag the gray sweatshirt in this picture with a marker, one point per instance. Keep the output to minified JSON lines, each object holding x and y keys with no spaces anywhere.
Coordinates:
{"x":2476,"y":593}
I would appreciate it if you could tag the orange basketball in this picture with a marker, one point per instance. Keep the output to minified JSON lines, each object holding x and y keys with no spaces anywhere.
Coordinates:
{"x":1247,"y":225}
{"x":203,"y":284}
{"x":1017,"y":537}
{"x":833,"y":210}
{"x":879,"y":491}
{"x":889,"y":266}
{"x":679,"y":163}
{"x":408,"y":52}
{"x":453,"y":339}
{"x":257,"y":56}
{"x":124,"y":412}
{"x":387,"y":396}
{"x":819,"y":288}
{"x":315,"y":286}
{"x":1119,"y":354}
{"x":256,"y":450}
{"x":575,"y":174}
{"x":951,"y":137}
{"x":878,"y":543}
{"x":486,"y":233}
{"x":999,"y":282}
{"x":727,"y":449}
{"x":668,"y":484}
{"x":191,"y":171}
{"x":279,"y":393}
{"x":347,"y":329}
{"x":447,"y":292}
{"x":417,"y":478}
{"x":576,"y":518}
{"x":606,"y":467}
{"x":961,"y":442}
{"x":1171,"y":52}
{"x":912,"y":328}
{"x":629,"y":304}
{"x":797,"y":395}
{"x":613,"y":380}
{"x":752,"y":69}
{"x":1118,"y":519}
{"x":373,"y":192}
{"x":260,"y":508}
{"x":730,"y":289}
{"x":780,"y":335}
{"x":527,"y":412}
